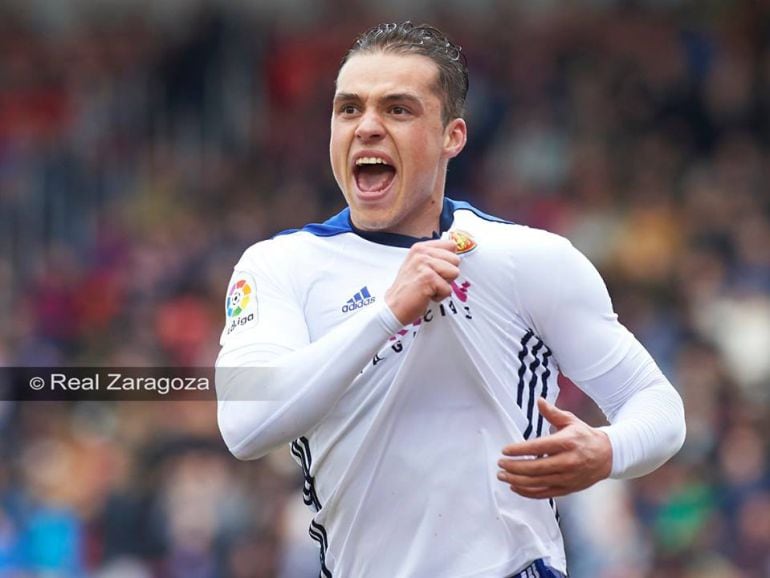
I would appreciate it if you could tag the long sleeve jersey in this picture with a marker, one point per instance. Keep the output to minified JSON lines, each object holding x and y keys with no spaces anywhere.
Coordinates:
{"x":398,"y":428}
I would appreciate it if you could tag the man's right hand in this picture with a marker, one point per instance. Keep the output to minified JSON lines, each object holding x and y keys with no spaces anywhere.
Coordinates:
{"x":426,"y":274}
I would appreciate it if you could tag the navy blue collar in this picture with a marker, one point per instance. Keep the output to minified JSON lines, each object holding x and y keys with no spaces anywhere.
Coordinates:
{"x":341,"y":223}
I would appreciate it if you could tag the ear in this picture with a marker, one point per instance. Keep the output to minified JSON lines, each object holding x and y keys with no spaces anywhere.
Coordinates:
{"x":455,"y":136}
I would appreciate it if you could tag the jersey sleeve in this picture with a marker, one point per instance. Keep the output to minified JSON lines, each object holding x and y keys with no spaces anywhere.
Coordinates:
{"x":565,"y":301}
{"x":261,"y":307}
{"x":274,"y":384}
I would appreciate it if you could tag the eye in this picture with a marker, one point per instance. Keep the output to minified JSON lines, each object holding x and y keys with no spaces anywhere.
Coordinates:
{"x":399,"y":110}
{"x":347,"y":109}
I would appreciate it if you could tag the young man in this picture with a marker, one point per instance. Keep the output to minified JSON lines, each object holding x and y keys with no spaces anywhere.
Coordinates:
{"x":408,"y":348}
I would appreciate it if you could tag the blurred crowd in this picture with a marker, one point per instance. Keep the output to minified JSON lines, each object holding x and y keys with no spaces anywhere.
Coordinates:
{"x":144,"y":146}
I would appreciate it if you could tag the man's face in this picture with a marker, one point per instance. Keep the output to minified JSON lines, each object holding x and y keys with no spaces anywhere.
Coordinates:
{"x":389,"y":148}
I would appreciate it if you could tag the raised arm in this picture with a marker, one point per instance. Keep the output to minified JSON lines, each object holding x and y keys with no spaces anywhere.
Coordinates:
{"x":273,"y":383}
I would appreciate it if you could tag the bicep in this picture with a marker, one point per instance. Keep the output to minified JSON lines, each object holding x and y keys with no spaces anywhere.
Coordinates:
{"x":571,"y":310}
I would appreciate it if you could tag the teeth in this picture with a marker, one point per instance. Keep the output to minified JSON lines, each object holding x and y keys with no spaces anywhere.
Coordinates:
{"x":370,"y":161}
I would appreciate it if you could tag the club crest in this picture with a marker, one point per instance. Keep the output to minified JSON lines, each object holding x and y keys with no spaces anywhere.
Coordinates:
{"x":463,"y":241}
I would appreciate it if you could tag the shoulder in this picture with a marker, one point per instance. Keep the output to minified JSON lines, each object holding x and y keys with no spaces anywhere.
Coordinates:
{"x":519,"y":241}
{"x":462,"y":210}
{"x":293,"y":244}
{"x":293,"y":254}
{"x":333,"y":226}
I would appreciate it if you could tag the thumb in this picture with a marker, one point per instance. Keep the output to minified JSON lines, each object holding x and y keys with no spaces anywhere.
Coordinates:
{"x":554,"y":415}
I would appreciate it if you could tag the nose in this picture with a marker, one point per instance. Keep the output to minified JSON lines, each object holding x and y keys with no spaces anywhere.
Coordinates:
{"x":370,"y":127}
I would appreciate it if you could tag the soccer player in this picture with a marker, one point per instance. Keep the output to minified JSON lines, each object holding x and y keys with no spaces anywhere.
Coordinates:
{"x":408,"y":348}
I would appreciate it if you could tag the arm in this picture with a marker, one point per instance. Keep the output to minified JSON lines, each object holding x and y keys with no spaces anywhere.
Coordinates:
{"x":267,"y":397}
{"x":273,"y":383}
{"x":645,"y":411}
{"x":574,"y":315}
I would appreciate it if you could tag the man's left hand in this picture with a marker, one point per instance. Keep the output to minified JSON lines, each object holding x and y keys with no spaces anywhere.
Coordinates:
{"x":573,"y":458}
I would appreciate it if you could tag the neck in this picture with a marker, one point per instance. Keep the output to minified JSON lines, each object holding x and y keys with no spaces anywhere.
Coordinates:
{"x":420,"y":222}
{"x":406,"y":236}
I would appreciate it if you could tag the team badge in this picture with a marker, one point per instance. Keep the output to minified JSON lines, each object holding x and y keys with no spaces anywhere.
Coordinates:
{"x":241,"y":304}
{"x":463,"y":241}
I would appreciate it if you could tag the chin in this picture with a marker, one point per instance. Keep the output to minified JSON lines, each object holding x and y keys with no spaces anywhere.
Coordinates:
{"x":371,"y":224}
{"x":372,"y":221}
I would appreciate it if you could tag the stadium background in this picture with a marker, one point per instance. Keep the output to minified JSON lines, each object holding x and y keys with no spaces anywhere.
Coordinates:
{"x":144,"y":145}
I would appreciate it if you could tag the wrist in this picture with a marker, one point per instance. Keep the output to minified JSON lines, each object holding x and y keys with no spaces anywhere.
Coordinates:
{"x":607,"y":453}
{"x":392,"y":304}
{"x":614,"y":450}
{"x":390,"y":321}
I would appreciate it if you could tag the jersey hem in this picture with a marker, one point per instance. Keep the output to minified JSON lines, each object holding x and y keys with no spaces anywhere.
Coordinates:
{"x":515,"y":565}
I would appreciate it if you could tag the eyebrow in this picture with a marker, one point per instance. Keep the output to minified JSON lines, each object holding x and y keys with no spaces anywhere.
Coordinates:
{"x":346,"y":96}
{"x":398,"y":96}
{"x":403,"y":96}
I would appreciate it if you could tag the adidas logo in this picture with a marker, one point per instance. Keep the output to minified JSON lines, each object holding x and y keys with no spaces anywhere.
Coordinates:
{"x":362,"y":298}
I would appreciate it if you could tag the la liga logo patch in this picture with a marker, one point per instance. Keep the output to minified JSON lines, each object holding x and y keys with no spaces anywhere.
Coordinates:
{"x":238,"y":297}
{"x":241,"y":305}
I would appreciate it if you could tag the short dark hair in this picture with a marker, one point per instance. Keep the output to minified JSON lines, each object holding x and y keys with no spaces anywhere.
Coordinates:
{"x":425,"y":40}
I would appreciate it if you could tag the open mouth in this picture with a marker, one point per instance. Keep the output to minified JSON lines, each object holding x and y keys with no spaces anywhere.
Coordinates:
{"x":373,"y":174}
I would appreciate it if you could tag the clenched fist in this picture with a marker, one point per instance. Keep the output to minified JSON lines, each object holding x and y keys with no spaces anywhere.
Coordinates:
{"x":425,"y":275}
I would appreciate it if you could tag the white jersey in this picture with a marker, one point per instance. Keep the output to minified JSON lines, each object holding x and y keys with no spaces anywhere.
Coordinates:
{"x":400,"y":459}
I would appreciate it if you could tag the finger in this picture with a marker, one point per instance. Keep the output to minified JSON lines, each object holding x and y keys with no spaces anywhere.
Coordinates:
{"x":554,"y":415}
{"x":530,"y":482}
{"x":447,"y":271}
{"x":540,"y":493}
{"x":552,"y":444}
{"x":446,"y":244}
{"x":441,"y":289}
{"x":432,"y":276}
{"x":443,"y":255}
{"x":557,"y":464}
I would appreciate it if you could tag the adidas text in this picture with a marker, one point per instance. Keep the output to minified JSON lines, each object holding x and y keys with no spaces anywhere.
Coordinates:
{"x":357,"y":304}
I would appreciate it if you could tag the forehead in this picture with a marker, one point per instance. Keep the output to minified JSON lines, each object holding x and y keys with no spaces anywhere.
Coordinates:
{"x":371,"y":74}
